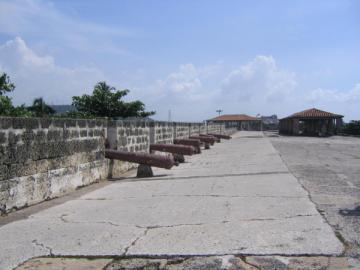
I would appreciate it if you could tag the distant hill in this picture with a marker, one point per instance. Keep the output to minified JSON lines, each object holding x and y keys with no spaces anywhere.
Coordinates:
{"x":61,"y":109}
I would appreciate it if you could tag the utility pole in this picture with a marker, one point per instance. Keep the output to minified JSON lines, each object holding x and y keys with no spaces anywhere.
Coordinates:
{"x":169,"y":116}
{"x":219,"y":111}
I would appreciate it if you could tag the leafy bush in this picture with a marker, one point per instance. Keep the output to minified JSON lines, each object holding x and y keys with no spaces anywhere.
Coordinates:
{"x":352,"y":128}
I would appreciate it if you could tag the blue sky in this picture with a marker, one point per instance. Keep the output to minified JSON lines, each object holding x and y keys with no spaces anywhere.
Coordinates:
{"x":190,"y":57}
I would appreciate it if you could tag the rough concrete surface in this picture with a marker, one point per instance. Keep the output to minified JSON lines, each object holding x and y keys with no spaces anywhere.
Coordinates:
{"x":238,"y":198}
{"x":329,"y":168}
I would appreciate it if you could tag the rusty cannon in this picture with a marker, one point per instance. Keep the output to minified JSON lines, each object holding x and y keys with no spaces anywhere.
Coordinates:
{"x":204,"y":139}
{"x":190,"y":142}
{"x":145,"y":161}
{"x":221,"y":136}
{"x":216,"y":139}
{"x":177,"y":150}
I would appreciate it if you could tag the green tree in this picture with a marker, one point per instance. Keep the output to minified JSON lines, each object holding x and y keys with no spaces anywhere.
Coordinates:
{"x":40,"y":109}
{"x":106,"y":101}
{"x":6,"y":106}
{"x":5,"y":84}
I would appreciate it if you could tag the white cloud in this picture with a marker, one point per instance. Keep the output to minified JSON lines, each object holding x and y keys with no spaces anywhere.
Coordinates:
{"x":184,"y":81}
{"x":40,"y":19}
{"x":259,"y":79}
{"x":36,"y":75}
{"x":327,"y":95}
{"x":253,"y":88}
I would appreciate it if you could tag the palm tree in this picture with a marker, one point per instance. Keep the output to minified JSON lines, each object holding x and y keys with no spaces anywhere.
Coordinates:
{"x":40,"y":108}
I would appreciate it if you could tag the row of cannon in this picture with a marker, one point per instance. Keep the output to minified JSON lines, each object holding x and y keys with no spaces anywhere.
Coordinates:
{"x":180,"y":148}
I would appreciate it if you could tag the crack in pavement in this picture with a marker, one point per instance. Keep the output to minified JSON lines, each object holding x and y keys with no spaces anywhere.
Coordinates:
{"x":37,"y":243}
{"x":152,"y":227}
{"x":133,"y":243}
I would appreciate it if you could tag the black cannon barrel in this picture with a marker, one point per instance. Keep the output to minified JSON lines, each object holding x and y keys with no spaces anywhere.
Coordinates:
{"x":142,"y":158}
{"x":191,"y":142}
{"x":204,"y":139}
{"x":173,"y":148}
{"x":221,"y":136}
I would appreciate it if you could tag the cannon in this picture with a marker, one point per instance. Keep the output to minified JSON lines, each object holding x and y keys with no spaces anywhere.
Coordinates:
{"x":145,"y":160}
{"x":211,"y":136}
{"x":177,"y":150}
{"x":204,"y":139}
{"x":221,"y":136}
{"x":191,"y":142}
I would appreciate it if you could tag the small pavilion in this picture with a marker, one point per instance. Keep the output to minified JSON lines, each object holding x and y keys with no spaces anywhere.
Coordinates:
{"x":312,"y":122}
{"x":239,"y":121}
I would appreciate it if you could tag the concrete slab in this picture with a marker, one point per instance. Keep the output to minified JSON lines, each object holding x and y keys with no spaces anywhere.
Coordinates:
{"x":250,"y":204}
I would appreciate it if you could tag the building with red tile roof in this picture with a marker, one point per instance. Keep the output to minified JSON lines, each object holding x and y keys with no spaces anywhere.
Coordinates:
{"x":313,"y":122}
{"x":239,"y":121}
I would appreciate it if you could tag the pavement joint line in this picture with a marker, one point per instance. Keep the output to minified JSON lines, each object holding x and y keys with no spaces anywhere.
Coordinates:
{"x":158,"y":178}
{"x":226,"y":196}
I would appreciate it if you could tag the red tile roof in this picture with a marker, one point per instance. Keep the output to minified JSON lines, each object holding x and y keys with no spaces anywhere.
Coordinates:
{"x":314,"y":113}
{"x":235,"y":117}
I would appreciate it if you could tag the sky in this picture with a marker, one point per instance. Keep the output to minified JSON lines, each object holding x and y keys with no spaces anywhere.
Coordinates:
{"x":188,"y":57}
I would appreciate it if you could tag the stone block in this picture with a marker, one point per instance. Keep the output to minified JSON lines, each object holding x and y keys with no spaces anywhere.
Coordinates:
{"x":5,"y":122}
{"x":40,"y":136}
{"x":74,"y":134}
{"x":91,"y":123}
{"x":22,"y":153}
{"x":81,"y":123}
{"x":13,"y":138}
{"x":4,"y":172}
{"x":70,"y":123}
{"x":59,"y":123}
{"x":30,"y":123}
{"x":45,"y":123}
{"x":54,"y":135}
{"x":28,"y":136}
{"x":3,"y":137}
{"x":83,"y":133}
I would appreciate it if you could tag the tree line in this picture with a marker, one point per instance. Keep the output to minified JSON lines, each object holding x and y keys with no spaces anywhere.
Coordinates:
{"x":105,"y":101}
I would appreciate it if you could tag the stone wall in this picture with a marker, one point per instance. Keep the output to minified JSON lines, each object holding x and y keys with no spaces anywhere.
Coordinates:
{"x":181,"y":130}
{"x":162,"y":132}
{"x":194,"y":129}
{"x":132,"y":136}
{"x":215,"y":128}
{"x":45,"y":158}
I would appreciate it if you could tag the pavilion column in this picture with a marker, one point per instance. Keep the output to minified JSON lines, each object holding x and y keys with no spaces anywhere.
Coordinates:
{"x":339,"y":124}
{"x":295,"y":126}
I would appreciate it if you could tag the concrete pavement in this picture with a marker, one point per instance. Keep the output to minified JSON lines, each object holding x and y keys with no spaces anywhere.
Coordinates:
{"x":237,"y":198}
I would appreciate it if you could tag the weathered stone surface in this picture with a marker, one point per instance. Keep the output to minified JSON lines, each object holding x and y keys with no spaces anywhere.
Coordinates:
{"x":64,"y":264}
{"x":329,"y":170}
